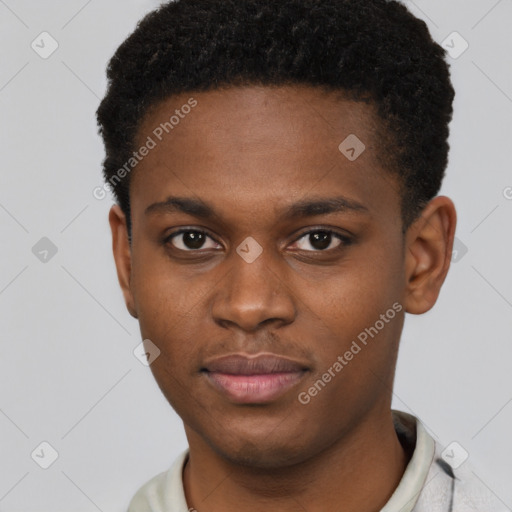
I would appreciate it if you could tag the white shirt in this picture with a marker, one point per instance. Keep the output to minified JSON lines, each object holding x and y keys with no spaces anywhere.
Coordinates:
{"x":429,"y":484}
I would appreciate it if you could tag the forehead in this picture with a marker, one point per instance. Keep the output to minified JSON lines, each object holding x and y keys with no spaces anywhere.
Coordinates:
{"x":261,"y":114}
{"x":260,"y":142}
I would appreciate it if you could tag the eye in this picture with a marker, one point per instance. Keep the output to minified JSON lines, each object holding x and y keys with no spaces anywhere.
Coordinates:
{"x":322,"y":239}
{"x":190,"y":240}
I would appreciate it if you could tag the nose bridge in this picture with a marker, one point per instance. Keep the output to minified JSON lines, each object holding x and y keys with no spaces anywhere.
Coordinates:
{"x":253,"y":291}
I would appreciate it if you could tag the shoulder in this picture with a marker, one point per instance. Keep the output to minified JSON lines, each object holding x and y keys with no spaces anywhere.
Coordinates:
{"x":150,"y":496}
{"x":456,"y":489}
{"x":471,"y":494}
{"x":163,"y":492}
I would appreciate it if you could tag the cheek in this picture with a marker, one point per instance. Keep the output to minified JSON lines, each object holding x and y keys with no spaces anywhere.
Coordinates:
{"x":355,"y":296}
{"x":162,"y":293}
{"x":359,"y":318}
{"x":165,"y":316}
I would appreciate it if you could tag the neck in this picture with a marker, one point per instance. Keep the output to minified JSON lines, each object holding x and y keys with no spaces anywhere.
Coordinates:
{"x":361,"y":471}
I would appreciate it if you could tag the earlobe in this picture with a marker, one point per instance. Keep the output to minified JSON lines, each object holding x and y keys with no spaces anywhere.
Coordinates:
{"x":122,"y":255}
{"x":429,"y":245}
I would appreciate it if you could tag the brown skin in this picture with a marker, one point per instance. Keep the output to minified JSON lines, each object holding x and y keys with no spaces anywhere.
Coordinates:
{"x":249,"y":153}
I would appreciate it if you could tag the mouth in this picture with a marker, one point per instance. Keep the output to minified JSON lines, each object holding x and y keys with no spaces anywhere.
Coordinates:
{"x":256,"y":379}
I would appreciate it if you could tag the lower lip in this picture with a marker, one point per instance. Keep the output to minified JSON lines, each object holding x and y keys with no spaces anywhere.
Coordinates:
{"x":254,"y":389}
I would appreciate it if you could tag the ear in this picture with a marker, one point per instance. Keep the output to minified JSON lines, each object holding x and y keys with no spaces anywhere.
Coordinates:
{"x":429,"y":246}
{"x":122,"y":255}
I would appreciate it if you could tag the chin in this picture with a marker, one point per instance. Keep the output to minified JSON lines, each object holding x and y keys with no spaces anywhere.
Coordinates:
{"x":261,"y":452}
{"x":260,"y":457}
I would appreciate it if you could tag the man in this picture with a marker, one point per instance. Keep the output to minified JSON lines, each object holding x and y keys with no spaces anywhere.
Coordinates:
{"x":276,"y":165}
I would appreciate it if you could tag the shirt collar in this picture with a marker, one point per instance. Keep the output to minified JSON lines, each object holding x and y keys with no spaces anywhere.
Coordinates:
{"x":410,"y":432}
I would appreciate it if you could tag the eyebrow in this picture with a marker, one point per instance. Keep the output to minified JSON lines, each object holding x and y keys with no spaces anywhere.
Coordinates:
{"x":301,"y":209}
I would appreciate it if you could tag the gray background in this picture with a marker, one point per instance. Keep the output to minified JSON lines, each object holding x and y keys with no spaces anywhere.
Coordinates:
{"x":68,"y":373}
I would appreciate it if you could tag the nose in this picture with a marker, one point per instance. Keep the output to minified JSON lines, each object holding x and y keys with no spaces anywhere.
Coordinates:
{"x":254,"y":293}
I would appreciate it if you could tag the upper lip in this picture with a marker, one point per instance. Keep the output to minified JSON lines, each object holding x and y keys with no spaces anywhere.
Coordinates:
{"x":260,"y":364}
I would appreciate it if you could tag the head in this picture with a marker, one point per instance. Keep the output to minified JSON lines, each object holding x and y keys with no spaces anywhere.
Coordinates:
{"x":276,"y":166}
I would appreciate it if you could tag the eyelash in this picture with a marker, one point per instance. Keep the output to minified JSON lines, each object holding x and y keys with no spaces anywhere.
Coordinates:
{"x":345,"y":240}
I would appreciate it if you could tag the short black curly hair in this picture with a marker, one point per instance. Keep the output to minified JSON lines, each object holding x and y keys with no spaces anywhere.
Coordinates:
{"x":371,"y":49}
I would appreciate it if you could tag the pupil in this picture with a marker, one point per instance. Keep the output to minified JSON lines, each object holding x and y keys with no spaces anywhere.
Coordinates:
{"x":193,"y":239}
{"x":320,"y":239}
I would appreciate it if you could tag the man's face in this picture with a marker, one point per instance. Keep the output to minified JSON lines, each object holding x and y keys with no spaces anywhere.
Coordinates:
{"x":320,"y":280}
